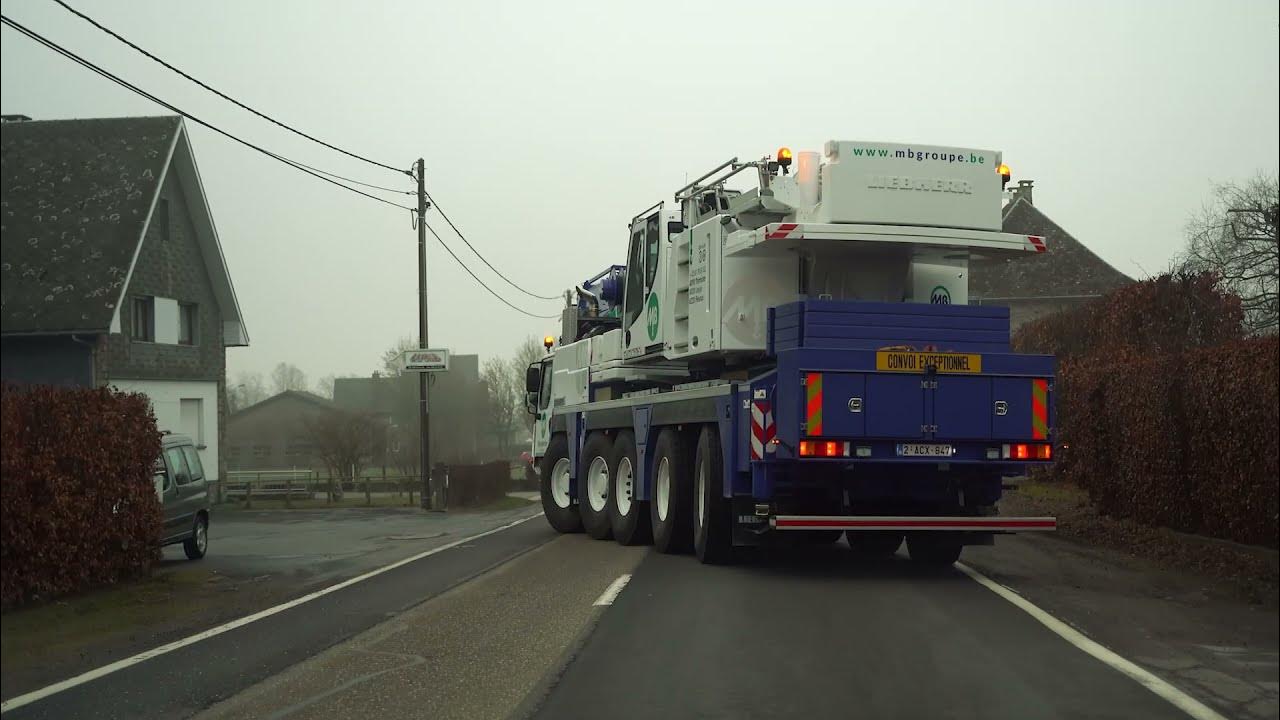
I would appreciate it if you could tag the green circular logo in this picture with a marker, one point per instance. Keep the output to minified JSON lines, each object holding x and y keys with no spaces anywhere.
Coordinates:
{"x":940,"y":296}
{"x":651,"y":316}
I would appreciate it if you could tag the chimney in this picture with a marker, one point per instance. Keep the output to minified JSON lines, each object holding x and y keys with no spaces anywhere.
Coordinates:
{"x":14,"y":118}
{"x":1023,"y":191}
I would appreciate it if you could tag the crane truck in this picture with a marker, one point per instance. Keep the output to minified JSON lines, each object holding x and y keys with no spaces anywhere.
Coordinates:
{"x":794,"y":359}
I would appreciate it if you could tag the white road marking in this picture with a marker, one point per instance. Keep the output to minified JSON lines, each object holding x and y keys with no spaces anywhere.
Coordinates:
{"x":19,"y":701}
{"x":611,"y":593}
{"x":1172,"y":694}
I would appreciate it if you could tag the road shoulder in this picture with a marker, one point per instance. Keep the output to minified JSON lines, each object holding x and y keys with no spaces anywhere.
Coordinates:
{"x":479,"y":650}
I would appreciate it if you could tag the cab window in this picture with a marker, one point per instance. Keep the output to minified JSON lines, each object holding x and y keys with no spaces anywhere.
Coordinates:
{"x":650,"y":250}
{"x":544,"y":395}
{"x":635,"y":279}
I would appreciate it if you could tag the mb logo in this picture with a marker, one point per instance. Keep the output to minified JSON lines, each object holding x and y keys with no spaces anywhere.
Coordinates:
{"x":940,"y":296}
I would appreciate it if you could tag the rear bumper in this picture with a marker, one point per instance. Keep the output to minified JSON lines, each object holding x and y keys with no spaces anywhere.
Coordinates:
{"x":913,"y":524}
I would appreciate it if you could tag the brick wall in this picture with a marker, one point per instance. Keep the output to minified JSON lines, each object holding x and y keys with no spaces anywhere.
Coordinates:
{"x":170,"y":265}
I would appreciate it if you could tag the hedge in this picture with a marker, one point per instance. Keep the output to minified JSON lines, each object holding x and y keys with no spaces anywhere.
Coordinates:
{"x":1165,"y":412}
{"x":76,"y":493}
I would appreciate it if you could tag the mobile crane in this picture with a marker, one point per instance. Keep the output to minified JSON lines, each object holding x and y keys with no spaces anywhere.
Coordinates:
{"x":798,"y":359}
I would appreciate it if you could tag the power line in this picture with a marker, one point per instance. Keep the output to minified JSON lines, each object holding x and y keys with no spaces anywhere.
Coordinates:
{"x":126,"y":84}
{"x":477,"y":279}
{"x":482,"y":258}
{"x":223,"y":95}
{"x":292,"y":163}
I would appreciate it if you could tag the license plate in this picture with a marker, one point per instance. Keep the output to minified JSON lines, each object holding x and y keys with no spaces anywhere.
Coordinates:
{"x":924,"y":450}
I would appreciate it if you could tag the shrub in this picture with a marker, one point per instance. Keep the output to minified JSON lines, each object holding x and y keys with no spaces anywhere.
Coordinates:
{"x":76,"y":493}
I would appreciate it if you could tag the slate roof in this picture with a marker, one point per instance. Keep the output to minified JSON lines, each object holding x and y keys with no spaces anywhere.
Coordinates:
{"x":75,"y":199}
{"x":302,"y":395}
{"x":1066,"y":269}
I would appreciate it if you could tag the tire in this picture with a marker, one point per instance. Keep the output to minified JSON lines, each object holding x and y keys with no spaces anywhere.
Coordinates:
{"x":628,"y":517}
{"x":820,"y":537}
{"x":712,"y":521}
{"x":554,"y":482}
{"x":874,"y":544}
{"x":934,"y":550}
{"x":595,"y":472}
{"x":198,"y":544}
{"x":671,"y":503}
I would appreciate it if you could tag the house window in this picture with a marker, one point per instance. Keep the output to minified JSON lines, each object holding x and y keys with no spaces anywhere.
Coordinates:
{"x":144,"y":319}
{"x":188,"y":324}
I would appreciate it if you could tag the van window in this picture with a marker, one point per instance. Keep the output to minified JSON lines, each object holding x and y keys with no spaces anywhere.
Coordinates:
{"x":193,"y":462}
{"x":178,"y":465}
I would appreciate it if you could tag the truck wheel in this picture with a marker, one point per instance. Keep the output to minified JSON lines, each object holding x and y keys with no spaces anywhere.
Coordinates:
{"x":554,"y":483}
{"x":820,"y":537}
{"x":628,"y":517}
{"x":595,"y":471}
{"x":671,"y":504}
{"x":934,"y":549}
{"x":874,"y":544}
{"x":713,"y":531}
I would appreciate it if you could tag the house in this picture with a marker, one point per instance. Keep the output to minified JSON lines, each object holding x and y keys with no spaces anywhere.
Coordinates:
{"x":273,"y":434}
{"x":1066,"y":275}
{"x":111,"y":271}
{"x":458,"y":400}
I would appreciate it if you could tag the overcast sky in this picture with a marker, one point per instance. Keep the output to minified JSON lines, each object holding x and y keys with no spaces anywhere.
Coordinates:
{"x":546,"y":126}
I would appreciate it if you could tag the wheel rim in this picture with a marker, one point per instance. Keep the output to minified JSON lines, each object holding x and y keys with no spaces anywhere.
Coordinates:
{"x":560,"y":483}
{"x":622,"y":487}
{"x":202,"y":536}
{"x":702,"y":497}
{"x":598,"y":483}
{"x":662,"y":488}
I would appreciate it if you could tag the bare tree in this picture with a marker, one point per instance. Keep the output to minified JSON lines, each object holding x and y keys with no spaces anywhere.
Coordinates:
{"x":244,"y":390}
{"x":1234,"y":236}
{"x":391,"y":356}
{"x":287,"y":377}
{"x":324,"y":386}
{"x":500,"y":416}
{"x":527,"y":353}
{"x":346,"y":442}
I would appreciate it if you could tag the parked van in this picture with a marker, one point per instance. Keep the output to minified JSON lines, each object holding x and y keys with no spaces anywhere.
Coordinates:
{"x":184,"y":492}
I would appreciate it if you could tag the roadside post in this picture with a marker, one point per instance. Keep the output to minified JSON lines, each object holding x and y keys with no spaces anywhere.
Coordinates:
{"x":426,"y":361}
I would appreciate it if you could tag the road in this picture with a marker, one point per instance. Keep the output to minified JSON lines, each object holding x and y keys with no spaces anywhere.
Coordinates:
{"x":519,"y":624}
{"x":817,"y":636}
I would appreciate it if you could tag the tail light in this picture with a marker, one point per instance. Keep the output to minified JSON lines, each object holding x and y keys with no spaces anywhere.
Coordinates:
{"x":1027,"y":451}
{"x":824,"y":448}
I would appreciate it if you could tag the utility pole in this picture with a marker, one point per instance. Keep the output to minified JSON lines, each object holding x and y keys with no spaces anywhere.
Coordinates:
{"x":424,"y":418}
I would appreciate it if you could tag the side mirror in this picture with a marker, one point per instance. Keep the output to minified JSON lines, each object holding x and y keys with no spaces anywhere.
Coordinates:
{"x":533,"y":378}
{"x":531,"y":403}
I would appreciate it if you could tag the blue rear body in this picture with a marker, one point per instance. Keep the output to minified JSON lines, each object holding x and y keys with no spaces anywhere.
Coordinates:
{"x":975,"y":411}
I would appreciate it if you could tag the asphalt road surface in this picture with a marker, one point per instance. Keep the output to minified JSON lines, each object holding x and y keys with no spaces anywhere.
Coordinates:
{"x":809,"y":635}
{"x":527,"y":623}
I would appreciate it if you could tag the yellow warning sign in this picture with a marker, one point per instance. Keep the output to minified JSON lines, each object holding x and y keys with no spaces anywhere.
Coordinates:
{"x":919,"y":362}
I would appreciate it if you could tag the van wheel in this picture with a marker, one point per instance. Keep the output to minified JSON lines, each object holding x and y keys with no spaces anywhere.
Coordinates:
{"x":671,"y":501}
{"x":713,"y":532}
{"x":554,"y":482}
{"x":935,"y":550}
{"x":595,"y":472}
{"x":198,"y":544}
{"x":628,"y":516}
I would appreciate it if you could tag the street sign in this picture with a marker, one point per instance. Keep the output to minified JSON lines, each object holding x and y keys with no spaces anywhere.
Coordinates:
{"x":436,"y":360}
